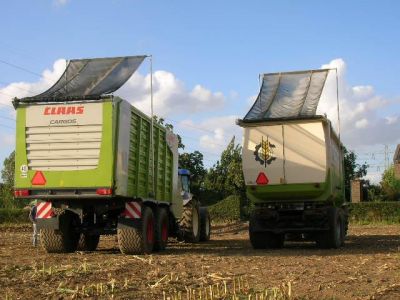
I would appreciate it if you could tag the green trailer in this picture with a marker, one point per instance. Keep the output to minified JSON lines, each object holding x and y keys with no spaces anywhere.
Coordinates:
{"x":100,"y":166}
{"x":293,"y":164}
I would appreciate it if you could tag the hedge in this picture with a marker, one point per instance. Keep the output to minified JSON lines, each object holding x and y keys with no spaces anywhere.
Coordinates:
{"x":375,"y":212}
{"x":227,"y":209}
{"x":360,"y":213}
{"x":14,"y":215}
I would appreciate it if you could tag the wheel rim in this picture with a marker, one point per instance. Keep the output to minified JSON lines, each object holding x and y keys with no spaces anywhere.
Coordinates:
{"x":164,"y":232}
{"x":150,"y":231}
{"x":195,"y":222}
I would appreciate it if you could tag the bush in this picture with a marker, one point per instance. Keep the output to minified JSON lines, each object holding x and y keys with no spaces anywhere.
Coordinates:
{"x":375,"y":212}
{"x":14,"y":215}
{"x":227,"y":209}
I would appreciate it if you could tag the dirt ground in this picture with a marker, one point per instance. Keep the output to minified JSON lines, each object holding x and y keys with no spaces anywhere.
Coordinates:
{"x":368,"y":267}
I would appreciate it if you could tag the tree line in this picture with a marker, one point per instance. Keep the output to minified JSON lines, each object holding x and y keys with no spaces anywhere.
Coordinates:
{"x":225,"y":177}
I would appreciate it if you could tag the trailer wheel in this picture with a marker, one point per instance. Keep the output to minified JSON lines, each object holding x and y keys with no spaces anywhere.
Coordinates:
{"x":63,"y":240}
{"x":138,"y":241}
{"x":333,"y":238}
{"x":161,"y":229}
{"x":190,"y":222}
{"x":257,"y":239}
{"x":205,"y":224}
{"x":274,"y":240}
{"x":343,"y":229}
{"x":88,"y":242}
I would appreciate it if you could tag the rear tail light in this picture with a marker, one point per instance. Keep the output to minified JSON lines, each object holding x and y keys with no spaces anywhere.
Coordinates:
{"x":21,"y":193}
{"x":104,"y":191}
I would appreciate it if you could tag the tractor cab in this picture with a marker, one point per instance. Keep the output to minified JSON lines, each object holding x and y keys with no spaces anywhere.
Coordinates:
{"x":184,"y":185}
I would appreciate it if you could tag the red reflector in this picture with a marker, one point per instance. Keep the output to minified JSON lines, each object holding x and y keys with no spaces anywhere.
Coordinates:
{"x":262,"y":178}
{"x":104,"y":191}
{"x":38,"y":178}
{"x":21,"y":193}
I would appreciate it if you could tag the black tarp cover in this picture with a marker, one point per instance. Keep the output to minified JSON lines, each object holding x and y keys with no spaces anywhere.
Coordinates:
{"x":92,"y":77}
{"x":288,"y":95}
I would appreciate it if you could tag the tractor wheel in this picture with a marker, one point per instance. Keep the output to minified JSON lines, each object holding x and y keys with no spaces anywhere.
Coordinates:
{"x":190,"y":222}
{"x":138,"y":241}
{"x":205,"y":224}
{"x":63,"y":240}
{"x":161,"y":229}
{"x":88,"y":242}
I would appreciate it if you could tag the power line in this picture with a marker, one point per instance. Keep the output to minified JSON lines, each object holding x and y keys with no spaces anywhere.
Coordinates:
{"x":19,"y":88}
{"x":8,"y":105}
{"x":3,"y":125}
{"x":7,"y":118}
{"x":16,"y":50}
{"x":19,"y":68}
{"x":6,"y":94}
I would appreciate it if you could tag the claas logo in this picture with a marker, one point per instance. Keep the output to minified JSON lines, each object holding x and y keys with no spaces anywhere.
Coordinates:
{"x":63,"y":110}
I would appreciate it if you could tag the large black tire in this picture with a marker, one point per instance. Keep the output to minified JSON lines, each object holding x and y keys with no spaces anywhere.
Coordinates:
{"x":205,"y":224}
{"x":88,"y":242}
{"x":190,"y":222}
{"x":65,"y":239}
{"x":161,"y":229}
{"x":274,"y":240}
{"x":138,"y":240}
{"x":257,"y":239}
{"x":334,"y":237}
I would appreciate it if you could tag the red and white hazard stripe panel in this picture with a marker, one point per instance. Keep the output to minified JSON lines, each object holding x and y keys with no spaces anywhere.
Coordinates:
{"x":44,"y":210}
{"x":133,"y":210}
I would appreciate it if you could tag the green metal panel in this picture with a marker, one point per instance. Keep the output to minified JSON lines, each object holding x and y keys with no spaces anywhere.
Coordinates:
{"x":102,"y":176}
{"x":317,"y":192}
{"x":140,"y":178}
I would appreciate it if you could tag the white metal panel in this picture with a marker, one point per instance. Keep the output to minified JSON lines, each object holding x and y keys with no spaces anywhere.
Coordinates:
{"x":56,"y":154}
{"x":65,"y":146}
{"x":263,"y":152}
{"x":61,"y":137}
{"x":93,"y":136}
{"x":305,"y":153}
{"x":73,"y":129}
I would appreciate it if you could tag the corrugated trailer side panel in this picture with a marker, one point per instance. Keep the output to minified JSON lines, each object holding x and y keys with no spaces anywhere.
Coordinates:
{"x":140,"y":178}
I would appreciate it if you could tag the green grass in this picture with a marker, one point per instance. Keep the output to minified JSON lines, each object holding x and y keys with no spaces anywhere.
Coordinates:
{"x":14,"y":215}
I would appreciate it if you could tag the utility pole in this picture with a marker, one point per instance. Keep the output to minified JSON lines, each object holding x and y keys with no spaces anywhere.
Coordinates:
{"x":386,"y":157}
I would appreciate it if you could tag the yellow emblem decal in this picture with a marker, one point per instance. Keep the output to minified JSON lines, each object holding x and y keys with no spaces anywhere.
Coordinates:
{"x":264,"y":152}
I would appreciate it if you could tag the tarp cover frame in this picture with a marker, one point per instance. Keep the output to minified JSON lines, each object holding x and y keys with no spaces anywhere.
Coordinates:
{"x":288,"y":95}
{"x":93,"y":77}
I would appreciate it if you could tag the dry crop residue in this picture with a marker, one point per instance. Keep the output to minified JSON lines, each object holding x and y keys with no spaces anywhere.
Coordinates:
{"x":368,"y":267}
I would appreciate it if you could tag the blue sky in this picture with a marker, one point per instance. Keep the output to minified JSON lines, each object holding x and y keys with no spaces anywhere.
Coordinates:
{"x":211,"y":52}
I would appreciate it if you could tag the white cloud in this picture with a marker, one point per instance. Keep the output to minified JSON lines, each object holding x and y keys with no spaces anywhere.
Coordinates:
{"x":170,"y":96}
{"x":25,"y":89}
{"x":363,"y":123}
{"x":213,"y":134}
{"x":362,"y":117}
{"x":60,"y":2}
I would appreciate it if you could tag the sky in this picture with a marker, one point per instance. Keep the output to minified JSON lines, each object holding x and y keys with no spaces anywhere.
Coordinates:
{"x":207,"y":57}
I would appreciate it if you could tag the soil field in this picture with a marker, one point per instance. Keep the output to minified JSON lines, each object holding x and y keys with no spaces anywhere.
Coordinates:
{"x":368,"y":267}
